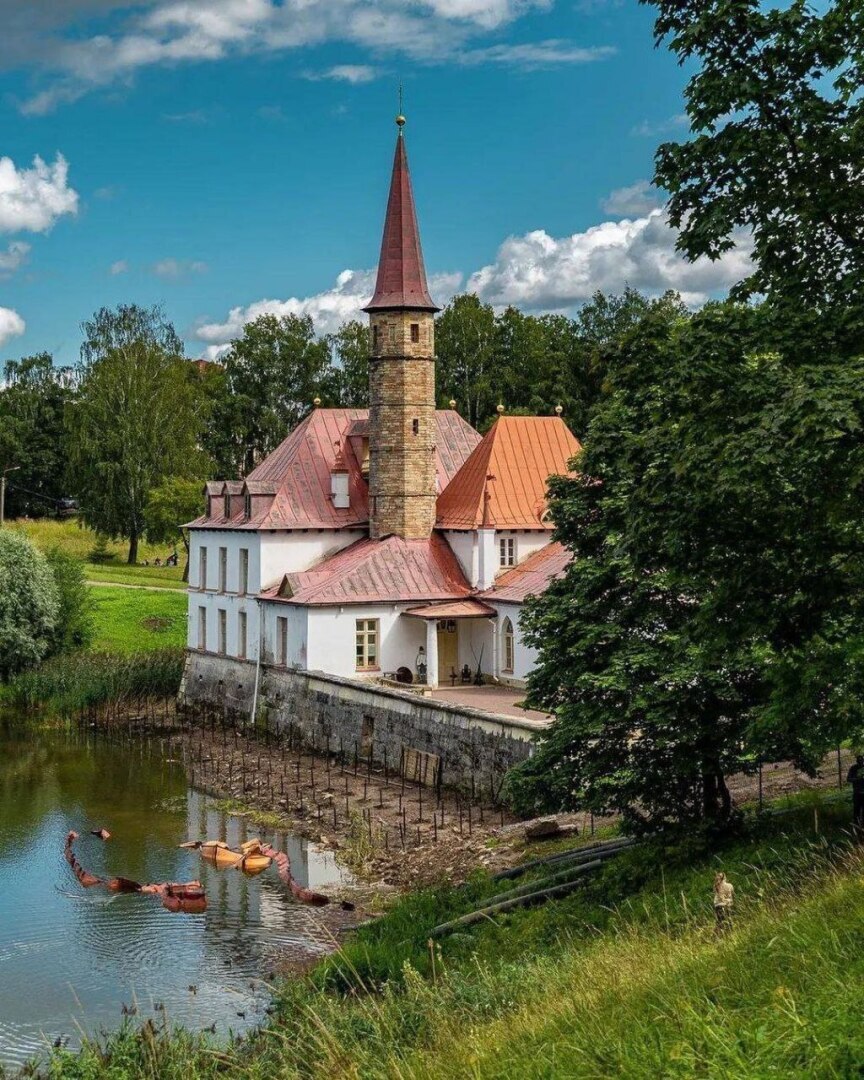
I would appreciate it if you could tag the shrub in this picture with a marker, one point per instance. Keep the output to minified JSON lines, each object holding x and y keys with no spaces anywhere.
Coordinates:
{"x":75,"y":622}
{"x":29,"y":604}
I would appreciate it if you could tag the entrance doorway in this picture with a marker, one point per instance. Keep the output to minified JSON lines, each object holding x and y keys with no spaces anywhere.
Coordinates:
{"x":448,"y":650}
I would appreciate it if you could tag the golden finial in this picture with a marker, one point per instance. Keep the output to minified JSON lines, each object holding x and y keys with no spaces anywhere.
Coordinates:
{"x":452,"y":402}
{"x":317,"y":402}
{"x":559,"y":409}
{"x":500,"y":410}
{"x":400,"y":119}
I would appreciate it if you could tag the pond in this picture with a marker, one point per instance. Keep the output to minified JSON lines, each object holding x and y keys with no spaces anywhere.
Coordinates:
{"x":71,"y":959}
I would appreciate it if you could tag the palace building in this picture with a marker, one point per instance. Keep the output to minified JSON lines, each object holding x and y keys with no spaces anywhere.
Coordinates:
{"x":388,"y":544}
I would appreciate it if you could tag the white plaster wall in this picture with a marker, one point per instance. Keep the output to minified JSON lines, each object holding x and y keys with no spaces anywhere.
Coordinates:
{"x":464,"y":547}
{"x":331,"y":638}
{"x":282,"y":552}
{"x":232,"y":605}
{"x":475,"y":644}
{"x":297,"y":632}
{"x":524,"y":658}
{"x":527,"y":542}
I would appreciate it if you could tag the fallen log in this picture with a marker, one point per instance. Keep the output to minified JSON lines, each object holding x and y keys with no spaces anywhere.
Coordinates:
{"x":574,"y":855}
{"x":539,"y":897}
{"x":556,"y":879}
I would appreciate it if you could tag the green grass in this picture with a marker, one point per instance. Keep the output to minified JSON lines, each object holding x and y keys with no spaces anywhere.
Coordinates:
{"x":135,"y":620}
{"x":70,"y":536}
{"x":625,"y":979}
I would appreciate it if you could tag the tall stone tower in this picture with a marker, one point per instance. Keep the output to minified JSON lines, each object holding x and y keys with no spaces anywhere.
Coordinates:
{"x":401,"y":373}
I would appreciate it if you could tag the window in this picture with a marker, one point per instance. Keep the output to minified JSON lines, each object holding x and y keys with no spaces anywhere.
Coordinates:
{"x":247,"y":505}
{"x":202,"y":629}
{"x":241,"y":635}
{"x":223,"y":569}
{"x":392,"y":334}
{"x":415,"y":332}
{"x":507,"y":646}
{"x":202,"y":569}
{"x":375,"y":337}
{"x":227,"y":505}
{"x":367,"y":644}
{"x":282,"y":641}
{"x":244,"y":571}
{"x":507,"y":551}
{"x":415,"y":426}
{"x":222,"y":623}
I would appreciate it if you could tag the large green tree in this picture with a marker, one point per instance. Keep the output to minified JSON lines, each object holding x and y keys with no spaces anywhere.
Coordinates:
{"x":776,"y":110}
{"x":272,"y":374}
{"x":170,"y":505}
{"x":347,"y":381}
{"x":465,"y":347}
{"x":33,"y":398}
{"x":712,"y":613}
{"x":138,"y":419}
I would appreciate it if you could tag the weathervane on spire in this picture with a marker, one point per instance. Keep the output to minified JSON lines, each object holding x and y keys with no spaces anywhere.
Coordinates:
{"x":400,"y":119}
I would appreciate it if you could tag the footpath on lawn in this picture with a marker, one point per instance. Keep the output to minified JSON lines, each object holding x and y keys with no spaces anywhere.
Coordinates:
{"x":624,"y":978}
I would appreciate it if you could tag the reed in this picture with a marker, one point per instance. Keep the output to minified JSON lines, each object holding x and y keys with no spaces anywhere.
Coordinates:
{"x":79,"y":681}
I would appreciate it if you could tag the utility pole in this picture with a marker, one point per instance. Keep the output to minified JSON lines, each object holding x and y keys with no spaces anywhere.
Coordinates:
{"x":8,"y":469}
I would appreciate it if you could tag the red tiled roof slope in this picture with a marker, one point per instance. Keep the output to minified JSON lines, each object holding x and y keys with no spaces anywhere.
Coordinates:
{"x":401,"y":281}
{"x":385,"y":571}
{"x":521,"y":452}
{"x":297,"y":473}
{"x":531,"y":577}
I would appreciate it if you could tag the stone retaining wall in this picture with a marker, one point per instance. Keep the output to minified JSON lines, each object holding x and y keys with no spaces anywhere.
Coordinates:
{"x":471,"y":744}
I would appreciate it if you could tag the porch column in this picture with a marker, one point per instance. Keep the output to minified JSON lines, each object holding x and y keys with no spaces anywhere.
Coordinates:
{"x":432,"y":652}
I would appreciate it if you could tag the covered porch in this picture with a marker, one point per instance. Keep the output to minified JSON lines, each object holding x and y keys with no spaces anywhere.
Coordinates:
{"x":460,"y":641}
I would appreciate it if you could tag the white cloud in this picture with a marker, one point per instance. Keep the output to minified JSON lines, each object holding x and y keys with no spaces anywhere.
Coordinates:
{"x":32,"y":199}
{"x":350,"y":73}
{"x":11,"y":325}
{"x":13,"y":258}
{"x":329,"y":309}
{"x":537,"y":54}
{"x":170,"y":32}
{"x":633,"y":201}
{"x":650,"y":128}
{"x":177,"y":268}
{"x":119,"y":267}
{"x":538,"y":271}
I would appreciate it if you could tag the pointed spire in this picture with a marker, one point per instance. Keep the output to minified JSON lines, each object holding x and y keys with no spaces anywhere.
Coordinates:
{"x":401,"y":274}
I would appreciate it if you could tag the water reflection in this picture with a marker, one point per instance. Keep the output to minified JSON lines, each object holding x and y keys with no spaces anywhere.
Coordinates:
{"x":70,"y":957}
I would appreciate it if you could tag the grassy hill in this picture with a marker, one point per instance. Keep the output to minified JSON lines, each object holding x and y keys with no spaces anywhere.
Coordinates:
{"x":625,"y":979}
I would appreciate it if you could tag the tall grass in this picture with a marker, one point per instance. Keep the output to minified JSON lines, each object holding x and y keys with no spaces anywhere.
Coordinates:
{"x":627,"y":979}
{"x":68,"y":684}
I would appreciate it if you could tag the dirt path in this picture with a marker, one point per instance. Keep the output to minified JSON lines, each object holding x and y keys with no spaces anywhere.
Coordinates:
{"x":124,"y":585}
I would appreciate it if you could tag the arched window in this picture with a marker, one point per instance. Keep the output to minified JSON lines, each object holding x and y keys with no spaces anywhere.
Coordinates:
{"x":507,"y":646}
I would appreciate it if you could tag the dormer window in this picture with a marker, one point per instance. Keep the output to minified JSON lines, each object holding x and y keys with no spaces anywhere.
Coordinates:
{"x":339,"y":490}
{"x":227,"y":505}
{"x":247,"y":505}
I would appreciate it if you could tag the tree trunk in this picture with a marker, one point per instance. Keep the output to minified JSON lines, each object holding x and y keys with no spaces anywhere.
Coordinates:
{"x":716,"y":800}
{"x":186,"y":567}
{"x":133,"y":549}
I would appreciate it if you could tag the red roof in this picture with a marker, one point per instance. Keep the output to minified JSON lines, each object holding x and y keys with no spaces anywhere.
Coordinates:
{"x":297,"y":474}
{"x":401,"y":274}
{"x":385,"y":571}
{"x":521,"y":453}
{"x":531,"y":577}
{"x":454,"y":609}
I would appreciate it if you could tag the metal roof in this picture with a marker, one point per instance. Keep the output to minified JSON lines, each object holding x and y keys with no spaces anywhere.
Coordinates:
{"x":401,"y":281}
{"x":297,"y":474}
{"x":521,"y":453}
{"x":531,"y":577}
{"x":454,"y":609}
{"x":391,"y":570}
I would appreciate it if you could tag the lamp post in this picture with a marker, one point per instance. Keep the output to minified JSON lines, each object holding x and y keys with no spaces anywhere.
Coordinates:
{"x":8,"y":469}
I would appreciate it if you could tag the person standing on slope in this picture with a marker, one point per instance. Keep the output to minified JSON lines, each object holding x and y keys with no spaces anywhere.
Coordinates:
{"x":724,"y":898}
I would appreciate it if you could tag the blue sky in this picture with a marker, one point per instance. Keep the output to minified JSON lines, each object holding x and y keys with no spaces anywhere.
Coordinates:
{"x":224,"y":157}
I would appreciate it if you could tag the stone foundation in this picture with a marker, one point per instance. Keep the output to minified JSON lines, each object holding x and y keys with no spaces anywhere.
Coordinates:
{"x":388,"y":724}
